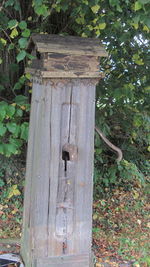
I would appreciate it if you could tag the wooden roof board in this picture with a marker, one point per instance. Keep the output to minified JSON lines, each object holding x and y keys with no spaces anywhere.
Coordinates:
{"x":64,"y":74}
{"x":52,"y":43}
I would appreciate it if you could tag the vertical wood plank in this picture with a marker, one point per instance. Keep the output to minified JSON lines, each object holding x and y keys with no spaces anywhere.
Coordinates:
{"x":26,"y":243}
{"x":41,"y":175}
{"x":60,"y":94}
{"x":32,"y":218}
{"x":70,"y":178}
{"x":84,"y":91}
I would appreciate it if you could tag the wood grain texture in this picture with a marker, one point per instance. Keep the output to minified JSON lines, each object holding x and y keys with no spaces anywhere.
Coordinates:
{"x":67,"y":260}
{"x":58,"y":202}
{"x":65,"y":57}
{"x":67,"y":45}
{"x":55,"y":61}
{"x":83,"y":94}
{"x":57,"y":225}
{"x":26,"y":234}
{"x":40,"y":192}
{"x":64,"y":74}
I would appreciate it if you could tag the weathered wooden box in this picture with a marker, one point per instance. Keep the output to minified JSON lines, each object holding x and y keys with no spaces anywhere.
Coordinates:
{"x":57,"y":221}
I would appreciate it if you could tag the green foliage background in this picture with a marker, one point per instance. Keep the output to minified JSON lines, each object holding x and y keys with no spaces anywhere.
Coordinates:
{"x":123,"y":96}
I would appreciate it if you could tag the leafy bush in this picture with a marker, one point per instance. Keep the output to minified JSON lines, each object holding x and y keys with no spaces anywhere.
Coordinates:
{"x":12,"y":130}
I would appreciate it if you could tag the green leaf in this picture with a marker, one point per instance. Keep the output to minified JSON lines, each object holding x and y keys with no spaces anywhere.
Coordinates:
{"x":135,"y":25}
{"x":22,"y":79}
{"x":14,"y":189}
{"x":14,"y":33}
{"x":2,"y":149}
{"x":28,"y":76}
{"x":139,"y":62}
{"x":106,"y":181}
{"x":16,"y":142}
{"x":131,"y":86}
{"x":137,"y":121}
{"x":95,"y":230}
{"x":17,"y":131}
{"x":37,"y":2}
{"x":135,"y":57}
{"x":21,"y":99}
{"x":12,"y":24}
{"x":114,"y":2}
{"x":147,"y":88}
{"x":24,"y":131}
{"x":95,"y":8}
{"x":19,"y":112}
{"x":17,"y":86}
{"x":22,"y":25}
{"x":102,"y":26}
{"x":10,"y":111}
{"x":80,"y":20}
{"x":3,"y":129}
{"x":21,"y":55}
{"x":26,"y":33}
{"x":144,"y":1}
{"x":12,"y":127}
{"x":31,"y":57}
{"x":136,"y":19}
{"x":145,"y":28}
{"x":23,"y":42}
{"x":3,"y":41}
{"x":2,"y":114}
{"x":11,"y":46}
{"x":119,"y":9}
{"x":137,"y":6}
{"x":41,"y":10}
{"x":1,"y":181}
{"x":64,"y":7}
{"x":17,"y":6}
{"x":9,"y":3}
{"x":147,"y":21}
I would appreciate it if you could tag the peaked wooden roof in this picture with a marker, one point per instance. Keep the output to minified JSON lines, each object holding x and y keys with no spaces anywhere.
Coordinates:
{"x":51,"y":43}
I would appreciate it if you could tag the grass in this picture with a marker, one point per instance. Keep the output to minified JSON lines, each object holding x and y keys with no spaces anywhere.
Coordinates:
{"x":122,"y":226}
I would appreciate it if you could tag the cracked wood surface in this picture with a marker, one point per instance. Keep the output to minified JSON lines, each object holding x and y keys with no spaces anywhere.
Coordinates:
{"x":58,"y":198}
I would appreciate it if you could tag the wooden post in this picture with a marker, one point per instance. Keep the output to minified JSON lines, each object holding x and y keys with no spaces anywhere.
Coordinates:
{"x":57,"y":220}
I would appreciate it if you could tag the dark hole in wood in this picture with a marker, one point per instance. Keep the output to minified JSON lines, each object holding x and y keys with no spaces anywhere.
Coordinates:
{"x":65,"y":157}
{"x":38,"y":55}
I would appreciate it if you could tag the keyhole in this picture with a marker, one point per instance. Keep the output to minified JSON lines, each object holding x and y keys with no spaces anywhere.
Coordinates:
{"x":65,"y":157}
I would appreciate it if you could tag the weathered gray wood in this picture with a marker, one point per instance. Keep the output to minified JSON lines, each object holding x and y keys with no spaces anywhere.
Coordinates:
{"x":59,"y":95}
{"x":83,"y":93}
{"x":26,"y":234}
{"x":41,"y":175}
{"x":57,"y":226}
{"x":65,"y":57}
{"x":64,"y":62}
{"x":67,"y":45}
{"x":68,"y":260}
{"x":64,"y":74}
{"x":61,"y":200}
